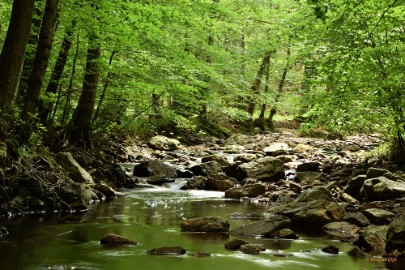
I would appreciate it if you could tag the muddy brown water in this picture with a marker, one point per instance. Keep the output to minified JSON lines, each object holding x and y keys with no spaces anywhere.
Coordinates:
{"x":152,"y":217}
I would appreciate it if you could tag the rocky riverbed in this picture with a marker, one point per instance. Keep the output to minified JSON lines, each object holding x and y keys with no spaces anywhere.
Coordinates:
{"x":310,"y":184}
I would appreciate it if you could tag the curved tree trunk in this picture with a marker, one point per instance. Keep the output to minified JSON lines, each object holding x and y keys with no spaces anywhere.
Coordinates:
{"x":32,"y":98}
{"x":79,"y":132}
{"x":12,"y":56}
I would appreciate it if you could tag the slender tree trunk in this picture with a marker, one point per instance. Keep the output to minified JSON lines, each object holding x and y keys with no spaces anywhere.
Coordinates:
{"x":12,"y":56}
{"x":261,"y":121}
{"x":30,"y":53}
{"x":105,"y":87}
{"x":79,"y":133}
{"x":280,"y":88}
{"x":66,"y":109}
{"x":57,"y":72}
{"x":256,"y":84}
{"x":32,"y":98}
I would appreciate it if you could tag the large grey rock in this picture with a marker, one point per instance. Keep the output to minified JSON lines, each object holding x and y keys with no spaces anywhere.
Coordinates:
{"x":381,"y":189}
{"x":373,"y":240}
{"x":310,"y":166}
{"x":74,"y":196}
{"x":317,"y":193}
{"x":196,"y":182}
{"x":276,"y":149}
{"x":307,"y":177}
{"x":263,"y":227}
{"x":341,"y":230}
{"x":375,"y":172}
{"x":220,"y":182}
{"x":220,"y":159}
{"x":205,"y":224}
{"x":310,"y":214}
{"x":284,"y":234}
{"x":250,"y":190}
{"x":396,"y":235}
{"x":154,"y":168}
{"x":354,"y":185}
{"x":263,"y":169}
{"x":160,"y":142}
{"x":378,"y":216}
{"x":74,"y":170}
{"x":357,"y":218}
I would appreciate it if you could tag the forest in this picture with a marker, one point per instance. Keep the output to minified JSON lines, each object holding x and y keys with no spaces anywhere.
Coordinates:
{"x":83,"y":83}
{"x":81,"y":79}
{"x":74,"y":69}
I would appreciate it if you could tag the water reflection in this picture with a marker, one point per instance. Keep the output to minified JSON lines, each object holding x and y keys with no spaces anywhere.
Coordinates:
{"x":152,"y":218}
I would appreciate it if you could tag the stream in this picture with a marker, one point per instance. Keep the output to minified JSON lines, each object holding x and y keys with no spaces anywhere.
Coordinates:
{"x":152,"y":217}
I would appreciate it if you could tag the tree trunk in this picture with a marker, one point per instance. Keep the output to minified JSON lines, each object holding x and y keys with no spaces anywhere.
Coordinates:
{"x":256,"y":84}
{"x":32,"y":98}
{"x":30,"y":53}
{"x":12,"y":56}
{"x":280,"y":88}
{"x":57,"y":73}
{"x":261,"y":121}
{"x":79,"y":132}
{"x":105,"y":87}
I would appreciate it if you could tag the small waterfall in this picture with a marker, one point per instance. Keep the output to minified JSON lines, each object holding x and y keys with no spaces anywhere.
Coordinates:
{"x":176,"y":185}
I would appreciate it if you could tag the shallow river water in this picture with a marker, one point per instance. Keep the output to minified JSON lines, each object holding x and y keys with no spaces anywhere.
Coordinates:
{"x":151,"y":217}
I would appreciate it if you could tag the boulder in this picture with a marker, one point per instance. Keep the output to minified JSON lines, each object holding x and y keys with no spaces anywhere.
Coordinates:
{"x":307,"y":177}
{"x":220,"y":182}
{"x":252,"y":249}
{"x":250,"y":190}
{"x":220,"y":159}
{"x":341,"y":230}
{"x":317,"y":213}
{"x":158,"y":180}
{"x":196,"y":182}
{"x":211,"y":168}
{"x":396,"y":235}
{"x":164,"y":143}
{"x":381,"y":189}
{"x":311,"y":166}
{"x":284,"y":234}
{"x":357,"y":218}
{"x":262,"y":169}
{"x":373,"y":240}
{"x":276,"y":149}
{"x":378,"y":216}
{"x":354,"y":185}
{"x":154,"y":168}
{"x":116,"y":240}
{"x":317,"y":193}
{"x":244,"y":158}
{"x":375,"y":172}
{"x":73,"y":195}
{"x":107,"y":191}
{"x":74,"y":170}
{"x":205,"y":224}
{"x":167,"y":251}
{"x":234,"y":244}
{"x":263,"y":227}
{"x":331,"y":249}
